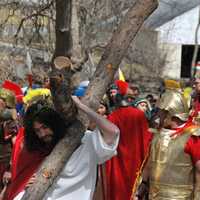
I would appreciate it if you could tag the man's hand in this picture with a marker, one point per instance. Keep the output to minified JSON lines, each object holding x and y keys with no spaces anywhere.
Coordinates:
{"x":31,"y":181}
{"x":141,"y":191}
{"x":6,"y":177}
{"x":10,"y":128}
{"x":2,"y":193}
{"x":135,"y":198}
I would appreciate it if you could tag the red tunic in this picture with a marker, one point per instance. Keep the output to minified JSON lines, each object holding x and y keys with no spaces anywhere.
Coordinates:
{"x":192,"y":147}
{"x":24,"y":165}
{"x":121,"y":170}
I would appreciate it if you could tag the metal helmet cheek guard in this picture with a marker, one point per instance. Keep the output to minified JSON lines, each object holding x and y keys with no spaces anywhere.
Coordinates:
{"x":175,"y":103}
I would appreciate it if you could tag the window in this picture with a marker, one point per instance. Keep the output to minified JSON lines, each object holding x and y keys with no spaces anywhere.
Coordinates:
{"x":186,"y":60}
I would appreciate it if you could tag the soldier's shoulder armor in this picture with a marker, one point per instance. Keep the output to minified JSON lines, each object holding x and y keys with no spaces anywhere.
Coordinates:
{"x":193,"y":130}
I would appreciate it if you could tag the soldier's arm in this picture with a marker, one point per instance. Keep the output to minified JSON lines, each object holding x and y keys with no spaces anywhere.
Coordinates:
{"x":197,"y":181}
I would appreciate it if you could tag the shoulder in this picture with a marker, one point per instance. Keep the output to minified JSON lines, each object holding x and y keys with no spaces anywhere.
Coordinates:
{"x":128,"y":110}
{"x":89,"y":135}
{"x":193,"y":130}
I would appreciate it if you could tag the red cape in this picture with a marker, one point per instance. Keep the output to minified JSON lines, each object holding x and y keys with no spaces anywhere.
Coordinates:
{"x":121,"y":170}
{"x":24,"y":165}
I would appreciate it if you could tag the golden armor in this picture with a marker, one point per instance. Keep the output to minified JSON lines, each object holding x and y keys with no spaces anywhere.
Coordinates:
{"x":172,"y":172}
{"x":171,"y":169}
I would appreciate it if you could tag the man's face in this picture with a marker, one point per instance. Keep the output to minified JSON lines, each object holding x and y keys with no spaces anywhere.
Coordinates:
{"x":101,"y":110}
{"x":43,"y":132}
{"x":113,"y":92}
{"x":143,"y":106}
{"x":196,"y":85}
{"x":163,"y":119}
{"x":2,"y":104}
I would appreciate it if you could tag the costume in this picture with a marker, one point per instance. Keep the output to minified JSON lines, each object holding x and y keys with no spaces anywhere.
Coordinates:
{"x":6,"y":117}
{"x":78,"y":177}
{"x":5,"y":155}
{"x":174,"y":152}
{"x":196,"y":107}
{"x":121,"y":170}
{"x":24,"y":165}
{"x":147,"y":108}
{"x":172,"y":159}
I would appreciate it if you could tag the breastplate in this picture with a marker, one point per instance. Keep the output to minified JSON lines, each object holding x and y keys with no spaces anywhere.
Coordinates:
{"x":171,"y":169}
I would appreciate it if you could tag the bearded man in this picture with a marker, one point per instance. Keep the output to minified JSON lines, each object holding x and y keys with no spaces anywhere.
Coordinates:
{"x":43,"y":128}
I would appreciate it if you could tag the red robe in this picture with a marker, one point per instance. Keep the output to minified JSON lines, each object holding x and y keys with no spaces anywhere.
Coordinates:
{"x":24,"y":165}
{"x":121,"y":170}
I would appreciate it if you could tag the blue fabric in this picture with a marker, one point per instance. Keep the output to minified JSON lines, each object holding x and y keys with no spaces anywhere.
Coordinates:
{"x":20,"y":109}
{"x":80,"y":91}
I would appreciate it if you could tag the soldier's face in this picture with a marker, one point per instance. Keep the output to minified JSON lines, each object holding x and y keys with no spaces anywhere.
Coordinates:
{"x":113,"y":93}
{"x":143,"y":106}
{"x":163,"y":118}
{"x":2,"y":104}
{"x":196,"y":85}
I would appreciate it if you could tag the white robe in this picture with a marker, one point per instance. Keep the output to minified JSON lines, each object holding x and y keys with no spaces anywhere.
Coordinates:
{"x":78,"y":177}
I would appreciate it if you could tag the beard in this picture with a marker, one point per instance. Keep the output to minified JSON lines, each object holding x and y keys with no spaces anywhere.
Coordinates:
{"x":47,"y":139}
{"x":46,"y":144}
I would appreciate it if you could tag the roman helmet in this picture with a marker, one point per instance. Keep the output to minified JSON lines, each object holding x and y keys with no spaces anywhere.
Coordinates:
{"x":175,"y":103}
{"x":9,"y":97}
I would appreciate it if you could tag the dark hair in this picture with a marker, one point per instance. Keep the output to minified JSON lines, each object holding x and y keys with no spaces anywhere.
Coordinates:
{"x":49,"y":117}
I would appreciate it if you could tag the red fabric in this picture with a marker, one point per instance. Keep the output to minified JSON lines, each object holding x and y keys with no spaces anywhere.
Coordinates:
{"x":179,"y":130}
{"x":192,"y":145}
{"x":196,"y":108}
{"x":24,"y":165}
{"x":197,"y":105}
{"x":192,"y":148}
{"x":14,"y":88}
{"x":122,"y":86}
{"x":121,"y":170}
{"x":3,"y":168}
{"x":30,"y":80}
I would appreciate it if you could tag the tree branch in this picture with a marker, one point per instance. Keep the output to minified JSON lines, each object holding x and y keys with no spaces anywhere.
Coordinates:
{"x":115,"y":51}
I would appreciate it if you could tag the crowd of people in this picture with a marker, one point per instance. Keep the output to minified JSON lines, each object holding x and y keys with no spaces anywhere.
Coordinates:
{"x":135,"y":147}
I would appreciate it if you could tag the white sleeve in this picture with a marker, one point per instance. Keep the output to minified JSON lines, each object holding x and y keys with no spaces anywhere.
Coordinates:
{"x":20,"y":195}
{"x":103,"y":150}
